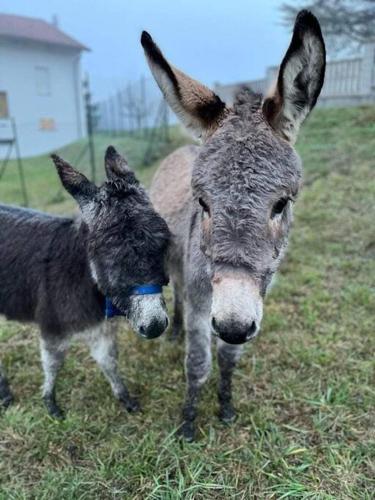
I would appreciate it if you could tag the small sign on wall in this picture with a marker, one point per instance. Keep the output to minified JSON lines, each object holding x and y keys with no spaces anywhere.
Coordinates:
{"x":4,"y":111}
{"x":47,"y":124}
{"x":6,"y":130}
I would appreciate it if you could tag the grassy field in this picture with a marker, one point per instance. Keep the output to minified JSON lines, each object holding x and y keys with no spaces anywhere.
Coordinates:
{"x":43,"y":185}
{"x":304,"y":390}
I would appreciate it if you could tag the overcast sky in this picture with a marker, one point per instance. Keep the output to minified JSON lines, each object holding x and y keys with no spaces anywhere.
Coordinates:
{"x":212,"y":40}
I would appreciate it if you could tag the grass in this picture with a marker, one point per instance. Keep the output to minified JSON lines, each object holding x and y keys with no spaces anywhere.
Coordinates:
{"x":304,"y":390}
{"x":43,"y":186}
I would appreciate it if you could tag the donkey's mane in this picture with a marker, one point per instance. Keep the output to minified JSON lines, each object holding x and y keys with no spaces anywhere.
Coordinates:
{"x":247,"y":101}
{"x":124,"y":186}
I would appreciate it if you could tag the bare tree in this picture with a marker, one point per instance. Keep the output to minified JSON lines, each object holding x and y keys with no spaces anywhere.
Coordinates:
{"x":346,"y":23}
{"x":134,"y":106}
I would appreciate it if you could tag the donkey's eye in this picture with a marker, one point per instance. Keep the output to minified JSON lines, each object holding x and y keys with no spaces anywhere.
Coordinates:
{"x":206,"y":208}
{"x":279,"y":206}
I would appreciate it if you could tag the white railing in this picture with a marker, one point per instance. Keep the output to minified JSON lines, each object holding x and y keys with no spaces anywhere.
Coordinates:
{"x":347,"y":81}
{"x":343,"y":78}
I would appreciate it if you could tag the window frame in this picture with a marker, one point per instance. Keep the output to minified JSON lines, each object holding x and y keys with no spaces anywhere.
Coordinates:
{"x":42,"y":80}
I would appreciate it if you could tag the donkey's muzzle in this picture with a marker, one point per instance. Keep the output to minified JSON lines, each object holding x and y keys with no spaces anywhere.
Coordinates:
{"x":154,"y":329}
{"x":233,"y":332}
{"x":237,"y":306}
{"x":148,"y":315}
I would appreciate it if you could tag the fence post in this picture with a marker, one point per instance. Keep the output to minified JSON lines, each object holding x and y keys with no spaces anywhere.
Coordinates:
{"x":368,"y":65}
{"x":90,"y":127}
{"x":120,"y":112}
{"x":20,"y":165}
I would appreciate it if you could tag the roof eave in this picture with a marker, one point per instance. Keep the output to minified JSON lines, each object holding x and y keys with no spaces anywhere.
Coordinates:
{"x":78,"y":46}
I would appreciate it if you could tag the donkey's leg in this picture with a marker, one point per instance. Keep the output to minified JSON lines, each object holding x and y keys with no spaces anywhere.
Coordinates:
{"x":52,"y":356}
{"x":103,"y":347}
{"x":6,"y":397}
{"x":197,"y":365}
{"x":177,"y":325}
{"x":228,"y":356}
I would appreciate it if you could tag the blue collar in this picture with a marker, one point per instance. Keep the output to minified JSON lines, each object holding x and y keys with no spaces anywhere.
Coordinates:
{"x":145,"y":289}
{"x":111,"y":310}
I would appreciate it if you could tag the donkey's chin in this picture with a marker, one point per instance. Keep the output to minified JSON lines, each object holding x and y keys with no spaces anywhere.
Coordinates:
{"x":148,"y":315}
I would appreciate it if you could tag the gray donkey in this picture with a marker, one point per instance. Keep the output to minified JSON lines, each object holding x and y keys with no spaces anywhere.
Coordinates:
{"x":66,"y":275}
{"x":228,"y":203}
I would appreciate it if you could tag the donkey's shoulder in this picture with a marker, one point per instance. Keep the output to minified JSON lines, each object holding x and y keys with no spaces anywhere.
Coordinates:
{"x":170,"y":189}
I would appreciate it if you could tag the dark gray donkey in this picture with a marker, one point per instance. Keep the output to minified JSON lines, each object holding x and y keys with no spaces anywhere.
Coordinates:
{"x":63,"y":273}
{"x":229,"y":203}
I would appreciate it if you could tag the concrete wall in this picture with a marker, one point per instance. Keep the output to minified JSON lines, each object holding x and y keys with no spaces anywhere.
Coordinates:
{"x":45,"y":118}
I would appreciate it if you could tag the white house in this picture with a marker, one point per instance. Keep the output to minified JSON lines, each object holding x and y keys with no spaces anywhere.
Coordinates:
{"x":40,"y":84}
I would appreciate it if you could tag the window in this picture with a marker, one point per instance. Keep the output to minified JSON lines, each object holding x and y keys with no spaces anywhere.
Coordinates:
{"x":4,"y":112}
{"x":42,"y":80}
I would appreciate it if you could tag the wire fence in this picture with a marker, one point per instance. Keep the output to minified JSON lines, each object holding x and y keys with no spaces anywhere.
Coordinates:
{"x":134,"y":108}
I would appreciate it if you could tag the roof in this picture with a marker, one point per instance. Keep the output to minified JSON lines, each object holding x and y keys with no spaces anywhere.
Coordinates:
{"x":37,"y":30}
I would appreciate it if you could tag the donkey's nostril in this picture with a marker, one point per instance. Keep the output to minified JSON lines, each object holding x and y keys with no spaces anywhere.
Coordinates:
{"x":166,"y":322}
{"x":214,"y":324}
{"x":142,"y":330}
{"x":252,"y":330}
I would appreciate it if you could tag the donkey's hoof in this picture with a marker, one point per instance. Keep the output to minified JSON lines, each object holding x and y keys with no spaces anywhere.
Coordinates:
{"x":6,"y":397}
{"x":186,"y":431}
{"x":227,"y":414}
{"x":56,"y":413}
{"x":53,"y":409}
{"x":6,"y":401}
{"x":131,"y":405}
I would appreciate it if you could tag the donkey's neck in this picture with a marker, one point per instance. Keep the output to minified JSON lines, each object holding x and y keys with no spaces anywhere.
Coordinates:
{"x":74,"y":293}
{"x":45,"y":272}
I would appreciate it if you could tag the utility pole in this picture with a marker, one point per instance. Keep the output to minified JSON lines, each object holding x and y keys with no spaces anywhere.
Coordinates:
{"x":90,"y":126}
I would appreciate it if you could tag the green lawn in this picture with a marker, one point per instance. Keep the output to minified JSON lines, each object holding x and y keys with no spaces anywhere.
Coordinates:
{"x":43,"y":185}
{"x":304,"y":390}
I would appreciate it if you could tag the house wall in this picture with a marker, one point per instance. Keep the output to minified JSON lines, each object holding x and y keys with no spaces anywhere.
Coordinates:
{"x":46,"y":104}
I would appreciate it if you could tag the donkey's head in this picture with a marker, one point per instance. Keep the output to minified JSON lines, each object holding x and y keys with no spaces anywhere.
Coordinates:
{"x":247,"y":175}
{"x":126,"y":242}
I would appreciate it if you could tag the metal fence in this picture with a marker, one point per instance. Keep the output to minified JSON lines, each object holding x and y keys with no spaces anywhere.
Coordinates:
{"x":138,"y":106}
{"x":348,"y":82}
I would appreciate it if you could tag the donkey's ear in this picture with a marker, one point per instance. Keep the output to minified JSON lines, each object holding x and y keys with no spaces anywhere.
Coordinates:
{"x":116,"y":165}
{"x":198,"y":107}
{"x":74,"y":182}
{"x":300,"y":79}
